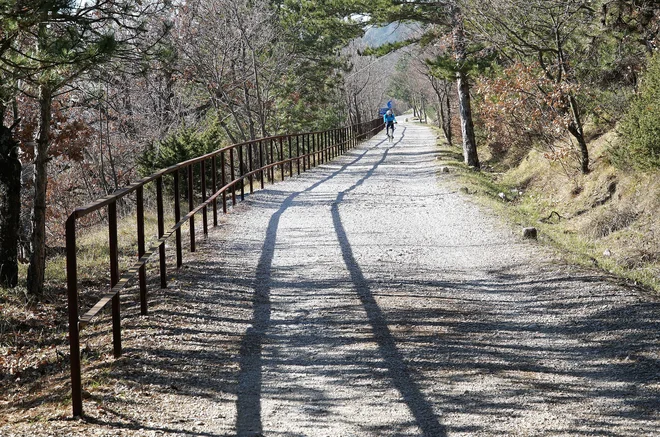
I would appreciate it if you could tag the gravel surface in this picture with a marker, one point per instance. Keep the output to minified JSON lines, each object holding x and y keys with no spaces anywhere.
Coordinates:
{"x":369,"y":297}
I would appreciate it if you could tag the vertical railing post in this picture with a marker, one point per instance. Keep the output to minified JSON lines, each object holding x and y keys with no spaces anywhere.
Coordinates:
{"x":214,"y":188}
{"x":290,"y":156}
{"x":281,"y":156}
{"x":161,"y":231}
{"x":342,"y":135}
{"x":202,"y":169}
{"x":142,"y":277}
{"x":251,"y":166}
{"x":331,"y":143}
{"x":177,"y":219}
{"x":114,"y":277}
{"x":313,"y":150}
{"x":223,"y":180}
{"x":232,"y":175}
{"x":241,"y":170}
{"x":261,"y":163}
{"x":304,"y":152}
{"x":191,"y":206}
{"x":272,"y":160}
{"x":298,"y":153}
{"x":324,"y":141}
{"x":74,"y":328}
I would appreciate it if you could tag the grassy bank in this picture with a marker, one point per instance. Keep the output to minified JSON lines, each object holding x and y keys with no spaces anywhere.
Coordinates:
{"x":607,"y":219}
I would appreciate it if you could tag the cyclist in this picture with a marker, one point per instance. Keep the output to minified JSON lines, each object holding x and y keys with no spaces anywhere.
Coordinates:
{"x":389,"y":120}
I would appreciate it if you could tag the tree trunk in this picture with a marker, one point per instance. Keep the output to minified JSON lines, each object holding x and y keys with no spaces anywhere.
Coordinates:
{"x":462,"y":84}
{"x":37,"y":268}
{"x":10,"y":208}
{"x":444,"y":107}
{"x":358,"y":115}
{"x":575,"y":128}
{"x":447,"y":121}
{"x":467,"y":127}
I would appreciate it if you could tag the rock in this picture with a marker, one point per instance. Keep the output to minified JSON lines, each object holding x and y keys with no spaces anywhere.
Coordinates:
{"x":502,"y":196}
{"x":444,"y":169}
{"x":607,"y":252}
{"x":530,"y":233}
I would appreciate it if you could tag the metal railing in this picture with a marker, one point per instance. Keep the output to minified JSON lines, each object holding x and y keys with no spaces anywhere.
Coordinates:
{"x":252,"y":161}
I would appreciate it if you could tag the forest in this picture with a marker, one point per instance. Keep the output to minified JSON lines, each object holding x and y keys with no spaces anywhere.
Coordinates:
{"x":551,"y":106}
{"x":95,"y":94}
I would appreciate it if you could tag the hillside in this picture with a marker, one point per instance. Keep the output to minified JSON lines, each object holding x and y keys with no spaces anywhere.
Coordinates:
{"x":607,"y":218}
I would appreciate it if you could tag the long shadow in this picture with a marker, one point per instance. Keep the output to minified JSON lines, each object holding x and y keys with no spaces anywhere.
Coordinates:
{"x":397,"y":369}
{"x":248,"y":405}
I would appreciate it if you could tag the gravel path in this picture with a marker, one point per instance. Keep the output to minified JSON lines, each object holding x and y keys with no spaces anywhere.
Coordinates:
{"x":368,"y":297}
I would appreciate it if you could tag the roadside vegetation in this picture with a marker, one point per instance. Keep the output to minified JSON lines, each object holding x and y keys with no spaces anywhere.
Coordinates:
{"x":557,"y":116}
{"x":606,"y":219}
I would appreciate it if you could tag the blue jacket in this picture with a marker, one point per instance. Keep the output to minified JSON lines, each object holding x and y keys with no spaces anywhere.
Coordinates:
{"x":387,"y":118}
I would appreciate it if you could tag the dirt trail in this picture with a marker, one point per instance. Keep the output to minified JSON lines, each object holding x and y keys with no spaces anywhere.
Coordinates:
{"x":369,"y":297}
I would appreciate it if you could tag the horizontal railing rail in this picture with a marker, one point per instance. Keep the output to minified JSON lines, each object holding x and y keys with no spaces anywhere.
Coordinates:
{"x":240,"y":164}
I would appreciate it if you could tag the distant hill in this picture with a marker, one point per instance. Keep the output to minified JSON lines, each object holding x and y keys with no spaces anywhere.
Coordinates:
{"x":394,"y":32}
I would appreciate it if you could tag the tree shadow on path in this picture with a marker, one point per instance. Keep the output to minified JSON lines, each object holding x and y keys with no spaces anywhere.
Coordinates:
{"x":397,"y":369}
{"x":249,"y":415}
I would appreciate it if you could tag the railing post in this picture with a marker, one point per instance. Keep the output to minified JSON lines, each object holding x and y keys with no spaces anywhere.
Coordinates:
{"x":304,"y":152}
{"x":251,"y":166}
{"x":74,"y":329}
{"x":281,"y":155}
{"x":202,"y":169}
{"x":232,"y":175}
{"x":114,"y":277}
{"x":214,"y":183}
{"x":298,"y":153}
{"x":191,"y":206}
{"x":324,"y":141}
{"x":261,"y":163}
{"x":161,"y":231}
{"x":272,"y":160}
{"x":177,"y":218}
{"x":241,"y":170}
{"x":331,"y":143}
{"x":223,"y":180}
{"x":313,"y":150}
{"x":142,"y":277}
{"x":290,"y":157}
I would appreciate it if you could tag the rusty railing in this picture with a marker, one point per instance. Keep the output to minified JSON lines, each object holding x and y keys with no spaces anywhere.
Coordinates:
{"x":254,"y":161}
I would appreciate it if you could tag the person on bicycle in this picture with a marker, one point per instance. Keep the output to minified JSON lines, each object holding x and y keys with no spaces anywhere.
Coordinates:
{"x":389,"y":120}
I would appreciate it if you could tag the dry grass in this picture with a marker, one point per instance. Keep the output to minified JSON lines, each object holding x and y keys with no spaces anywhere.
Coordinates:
{"x":608,"y":218}
{"x":34,"y":347}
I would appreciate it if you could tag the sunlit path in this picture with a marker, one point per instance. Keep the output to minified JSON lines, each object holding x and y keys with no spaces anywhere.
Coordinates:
{"x":368,"y":297}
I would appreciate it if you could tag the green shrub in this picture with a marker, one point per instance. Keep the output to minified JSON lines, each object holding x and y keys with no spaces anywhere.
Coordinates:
{"x":182,"y":145}
{"x":640,"y":128}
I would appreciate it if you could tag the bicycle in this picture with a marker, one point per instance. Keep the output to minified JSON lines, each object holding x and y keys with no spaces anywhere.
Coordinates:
{"x":390,"y":137}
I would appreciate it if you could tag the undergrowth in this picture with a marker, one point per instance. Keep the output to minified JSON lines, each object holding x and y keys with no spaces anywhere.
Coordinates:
{"x":605,"y":219}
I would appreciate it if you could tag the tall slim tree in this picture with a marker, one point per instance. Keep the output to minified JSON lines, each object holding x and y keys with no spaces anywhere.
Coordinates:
{"x":442,"y":17}
{"x":62,"y":41}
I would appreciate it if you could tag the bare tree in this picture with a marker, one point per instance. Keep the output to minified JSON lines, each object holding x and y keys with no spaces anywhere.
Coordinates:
{"x":550,"y":36}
